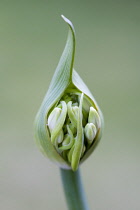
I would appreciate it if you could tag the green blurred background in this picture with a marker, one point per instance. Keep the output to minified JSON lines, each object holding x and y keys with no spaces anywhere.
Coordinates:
{"x":32,"y":38}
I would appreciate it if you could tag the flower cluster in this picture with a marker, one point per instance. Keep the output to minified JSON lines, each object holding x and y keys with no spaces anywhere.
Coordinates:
{"x":73,"y":126}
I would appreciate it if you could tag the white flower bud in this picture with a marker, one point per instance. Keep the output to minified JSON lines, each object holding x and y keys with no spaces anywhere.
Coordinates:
{"x":75,"y":111}
{"x":90,"y":132}
{"x":94,"y":117}
{"x":60,"y":137}
{"x":53,"y":117}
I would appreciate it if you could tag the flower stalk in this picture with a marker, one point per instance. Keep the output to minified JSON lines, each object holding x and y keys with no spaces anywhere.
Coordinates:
{"x":74,"y":190}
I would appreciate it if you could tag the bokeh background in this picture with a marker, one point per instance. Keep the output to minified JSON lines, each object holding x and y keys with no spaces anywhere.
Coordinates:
{"x":32,"y":38}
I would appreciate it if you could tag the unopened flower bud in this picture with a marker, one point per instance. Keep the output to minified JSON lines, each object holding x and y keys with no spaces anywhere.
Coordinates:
{"x":53,"y":118}
{"x":94,"y":117}
{"x":60,"y":137}
{"x":69,"y":123}
{"x":90,"y":132}
{"x":73,"y":113}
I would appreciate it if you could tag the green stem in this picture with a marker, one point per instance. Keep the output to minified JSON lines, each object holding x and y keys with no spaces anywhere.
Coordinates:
{"x":73,"y":189}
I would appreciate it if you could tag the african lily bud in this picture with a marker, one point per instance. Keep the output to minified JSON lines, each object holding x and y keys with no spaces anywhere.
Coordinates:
{"x":60,"y":137}
{"x":90,"y":132}
{"x":94,"y":117}
{"x":73,"y":113}
{"x":69,"y":123}
{"x":53,"y":118}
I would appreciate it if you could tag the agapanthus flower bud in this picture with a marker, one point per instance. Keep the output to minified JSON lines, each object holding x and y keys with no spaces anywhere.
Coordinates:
{"x":94,"y":117}
{"x":53,"y":118}
{"x":90,"y":132}
{"x":69,"y":123}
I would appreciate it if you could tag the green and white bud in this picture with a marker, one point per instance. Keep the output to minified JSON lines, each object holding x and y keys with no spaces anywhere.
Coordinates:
{"x":60,"y":137}
{"x":90,"y":132}
{"x":53,"y":118}
{"x":69,"y":123}
{"x":73,"y":113}
{"x":94,"y":117}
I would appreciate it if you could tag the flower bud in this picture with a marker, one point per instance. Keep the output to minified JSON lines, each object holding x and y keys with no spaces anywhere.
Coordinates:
{"x":53,"y":118}
{"x":69,"y":123}
{"x":60,"y":137}
{"x":73,"y":113}
{"x":94,"y":117}
{"x":90,"y":132}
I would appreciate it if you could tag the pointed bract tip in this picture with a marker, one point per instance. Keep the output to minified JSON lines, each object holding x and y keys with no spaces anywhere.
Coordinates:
{"x":69,"y":22}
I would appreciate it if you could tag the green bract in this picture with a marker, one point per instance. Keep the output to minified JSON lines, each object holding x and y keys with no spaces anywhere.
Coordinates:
{"x":69,"y":123}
